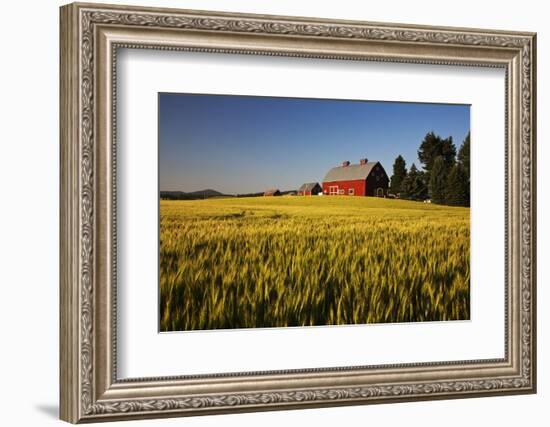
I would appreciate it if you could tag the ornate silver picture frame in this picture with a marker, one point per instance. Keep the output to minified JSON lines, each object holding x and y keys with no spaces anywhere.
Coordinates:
{"x":91,"y":390}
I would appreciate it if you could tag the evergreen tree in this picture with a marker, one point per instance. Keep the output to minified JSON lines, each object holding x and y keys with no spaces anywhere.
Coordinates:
{"x":438,"y":180}
{"x":464,"y":160}
{"x":399,"y":174}
{"x":433,"y":146}
{"x":422,"y":192}
{"x":464,"y":155}
{"x":414,"y":186}
{"x":448,"y":151}
{"x":457,"y":191}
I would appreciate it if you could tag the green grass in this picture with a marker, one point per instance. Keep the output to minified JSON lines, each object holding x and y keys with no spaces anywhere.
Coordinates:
{"x":299,"y":261}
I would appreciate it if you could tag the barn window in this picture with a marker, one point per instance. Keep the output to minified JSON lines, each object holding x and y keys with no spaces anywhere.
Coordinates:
{"x":351,"y":191}
{"x":333,"y":189}
{"x":341,"y":191}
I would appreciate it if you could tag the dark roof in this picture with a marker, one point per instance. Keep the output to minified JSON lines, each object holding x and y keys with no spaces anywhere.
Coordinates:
{"x":272,"y":191}
{"x":308,"y":186}
{"x":350,"y":173}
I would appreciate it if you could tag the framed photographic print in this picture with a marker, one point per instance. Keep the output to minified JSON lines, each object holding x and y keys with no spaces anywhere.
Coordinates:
{"x":265,"y":212}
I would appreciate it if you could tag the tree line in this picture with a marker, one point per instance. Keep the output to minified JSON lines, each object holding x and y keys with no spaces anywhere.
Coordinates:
{"x":445,"y":178}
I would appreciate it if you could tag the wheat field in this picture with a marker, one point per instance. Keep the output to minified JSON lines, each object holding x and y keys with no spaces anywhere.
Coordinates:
{"x":303,"y":261}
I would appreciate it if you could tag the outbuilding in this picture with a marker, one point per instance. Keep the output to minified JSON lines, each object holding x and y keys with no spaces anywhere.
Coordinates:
{"x":362,"y":179}
{"x":272,"y":192}
{"x":310,"y":189}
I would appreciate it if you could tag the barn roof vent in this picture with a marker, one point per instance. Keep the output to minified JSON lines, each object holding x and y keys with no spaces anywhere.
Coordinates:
{"x":346,"y":163}
{"x":363,"y":161}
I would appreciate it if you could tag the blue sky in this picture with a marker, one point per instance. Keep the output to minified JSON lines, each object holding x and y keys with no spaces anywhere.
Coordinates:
{"x":240,"y":144}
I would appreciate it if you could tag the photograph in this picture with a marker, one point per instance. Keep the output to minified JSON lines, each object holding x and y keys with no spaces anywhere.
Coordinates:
{"x":296,"y":212}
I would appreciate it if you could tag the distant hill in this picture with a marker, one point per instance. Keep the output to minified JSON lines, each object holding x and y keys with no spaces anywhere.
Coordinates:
{"x":208,"y":194}
{"x":250,"y":194}
{"x":192,"y":195}
{"x":283,"y":193}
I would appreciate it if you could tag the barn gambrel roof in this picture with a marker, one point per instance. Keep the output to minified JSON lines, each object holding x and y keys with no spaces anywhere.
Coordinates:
{"x":351,"y":172}
{"x":308,"y":186}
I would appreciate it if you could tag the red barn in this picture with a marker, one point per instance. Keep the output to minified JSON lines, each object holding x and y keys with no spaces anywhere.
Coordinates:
{"x":363,"y":179}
